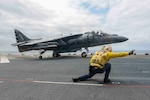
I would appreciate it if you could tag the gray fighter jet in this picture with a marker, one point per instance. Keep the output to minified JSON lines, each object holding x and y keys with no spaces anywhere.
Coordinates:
{"x":65,"y":44}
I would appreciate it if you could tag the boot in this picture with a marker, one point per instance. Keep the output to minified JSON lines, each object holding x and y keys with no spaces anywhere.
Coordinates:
{"x":75,"y":79}
{"x":107,"y":80}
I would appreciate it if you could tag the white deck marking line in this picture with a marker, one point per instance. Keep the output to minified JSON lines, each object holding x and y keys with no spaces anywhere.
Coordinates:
{"x":79,"y":84}
{"x":88,"y":84}
{"x":67,"y":83}
{"x":4,"y":59}
{"x":145,"y":72}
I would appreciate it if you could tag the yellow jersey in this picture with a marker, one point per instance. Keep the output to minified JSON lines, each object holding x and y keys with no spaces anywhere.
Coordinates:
{"x":100,"y":58}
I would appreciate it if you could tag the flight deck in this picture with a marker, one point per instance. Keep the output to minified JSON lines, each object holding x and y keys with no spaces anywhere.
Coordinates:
{"x":28,"y":78}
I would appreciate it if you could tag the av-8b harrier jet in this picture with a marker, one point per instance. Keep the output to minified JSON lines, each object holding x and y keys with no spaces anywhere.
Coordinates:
{"x":65,"y":44}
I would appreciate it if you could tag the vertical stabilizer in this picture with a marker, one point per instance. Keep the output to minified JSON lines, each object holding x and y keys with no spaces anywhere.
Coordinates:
{"x":20,"y":37}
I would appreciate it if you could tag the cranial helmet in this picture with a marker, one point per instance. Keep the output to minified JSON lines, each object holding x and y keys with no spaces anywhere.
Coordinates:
{"x":107,"y":48}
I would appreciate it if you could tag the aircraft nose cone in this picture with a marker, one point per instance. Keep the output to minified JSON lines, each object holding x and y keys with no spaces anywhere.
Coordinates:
{"x":122,"y":39}
{"x":125,"y":39}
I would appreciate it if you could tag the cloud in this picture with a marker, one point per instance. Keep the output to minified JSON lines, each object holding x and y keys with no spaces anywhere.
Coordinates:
{"x":124,"y":17}
{"x":131,"y":18}
{"x":50,"y":18}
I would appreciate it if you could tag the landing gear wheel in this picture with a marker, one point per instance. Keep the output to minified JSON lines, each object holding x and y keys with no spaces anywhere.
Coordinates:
{"x":84,"y":54}
{"x":56,"y":54}
{"x":41,"y":52}
{"x":40,"y":57}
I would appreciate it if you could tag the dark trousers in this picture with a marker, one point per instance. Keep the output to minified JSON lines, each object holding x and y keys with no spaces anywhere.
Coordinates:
{"x":93,"y":71}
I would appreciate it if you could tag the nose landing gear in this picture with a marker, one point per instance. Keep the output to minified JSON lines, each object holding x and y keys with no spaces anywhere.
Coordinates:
{"x":84,"y":54}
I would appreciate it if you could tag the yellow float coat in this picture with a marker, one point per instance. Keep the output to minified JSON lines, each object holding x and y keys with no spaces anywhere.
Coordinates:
{"x":100,"y":58}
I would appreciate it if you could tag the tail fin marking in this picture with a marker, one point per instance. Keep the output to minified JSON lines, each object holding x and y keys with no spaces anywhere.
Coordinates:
{"x":20,"y":37}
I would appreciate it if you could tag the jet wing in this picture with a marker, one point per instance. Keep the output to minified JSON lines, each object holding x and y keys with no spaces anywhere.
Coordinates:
{"x":59,"y":41}
{"x":41,"y":43}
{"x":45,"y":43}
{"x":44,"y":46}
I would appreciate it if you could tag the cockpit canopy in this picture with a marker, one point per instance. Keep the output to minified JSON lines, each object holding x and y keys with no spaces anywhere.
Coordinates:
{"x":92,"y":32}
{"x":100,"y":33}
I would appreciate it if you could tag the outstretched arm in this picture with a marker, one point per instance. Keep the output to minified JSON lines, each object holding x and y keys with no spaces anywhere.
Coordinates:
{"x":120,"y":54}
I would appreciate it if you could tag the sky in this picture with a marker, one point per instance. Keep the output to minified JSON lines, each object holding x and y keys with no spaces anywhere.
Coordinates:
{"x":52,"y":18}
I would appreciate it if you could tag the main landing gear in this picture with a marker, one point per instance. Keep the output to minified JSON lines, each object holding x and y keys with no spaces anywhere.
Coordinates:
{"x":41,"y":52}
{"x":56,"y":54}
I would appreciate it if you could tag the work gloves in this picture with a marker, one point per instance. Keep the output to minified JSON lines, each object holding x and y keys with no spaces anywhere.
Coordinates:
{"x":131,"y":52}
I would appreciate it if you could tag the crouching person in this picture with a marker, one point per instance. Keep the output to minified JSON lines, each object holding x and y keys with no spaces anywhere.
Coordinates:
{"x":99,"y":63}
